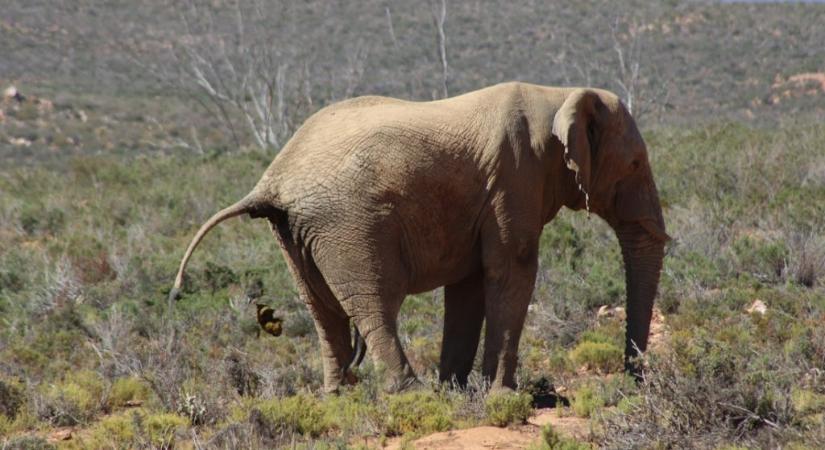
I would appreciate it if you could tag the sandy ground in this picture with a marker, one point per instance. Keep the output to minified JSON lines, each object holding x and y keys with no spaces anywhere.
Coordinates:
{"x":515,"y":437}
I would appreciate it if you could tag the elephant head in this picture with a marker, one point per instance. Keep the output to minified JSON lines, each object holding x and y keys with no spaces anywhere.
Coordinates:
{"x":608,"y":159}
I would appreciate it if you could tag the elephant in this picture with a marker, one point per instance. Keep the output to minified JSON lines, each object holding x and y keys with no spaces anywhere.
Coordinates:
{"x":375,"y":198}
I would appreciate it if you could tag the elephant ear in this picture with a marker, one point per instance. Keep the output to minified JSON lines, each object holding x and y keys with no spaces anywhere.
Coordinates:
{"x":576,"y":125}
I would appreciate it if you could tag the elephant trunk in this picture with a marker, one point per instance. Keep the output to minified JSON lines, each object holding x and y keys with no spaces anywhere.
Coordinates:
{"x":643,"y":253}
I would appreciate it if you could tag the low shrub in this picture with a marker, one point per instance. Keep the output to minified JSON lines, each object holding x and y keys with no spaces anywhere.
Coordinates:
{"x":302,"y":414}
{"x":74,"y":400}
{"x":805,"y":401}
{"x":587,"y":400}
{"x":130,"y":389}
{"x":603,"y":357}
{"x":418,"y":412}
{"x":553,"y":440}
{"x":161,"y":429}
{"x":116,"y":431}
{"x":353,"y":411}
{"x":11,"y":398}
{"x":28,"y":443}
{"x":505,"y":408}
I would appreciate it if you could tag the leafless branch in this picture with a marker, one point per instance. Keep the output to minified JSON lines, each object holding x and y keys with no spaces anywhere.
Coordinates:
{"x":439,"y":17}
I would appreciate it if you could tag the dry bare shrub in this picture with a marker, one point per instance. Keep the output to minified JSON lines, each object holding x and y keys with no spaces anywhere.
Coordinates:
{"x":806,"y":264}
{"x":707,"y":394}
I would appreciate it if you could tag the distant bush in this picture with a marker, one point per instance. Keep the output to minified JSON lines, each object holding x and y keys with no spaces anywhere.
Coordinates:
{"x":75,"y":400}
{"x":28,"y":443}
{"x":163,"y":428}
{"x":505,"y":408}
{"x":11,"y":398}
{"x":128,"y":389}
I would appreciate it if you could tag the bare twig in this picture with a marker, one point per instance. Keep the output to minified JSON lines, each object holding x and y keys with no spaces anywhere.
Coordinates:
{"x":439,"y":17}
{"x":390,"y":28}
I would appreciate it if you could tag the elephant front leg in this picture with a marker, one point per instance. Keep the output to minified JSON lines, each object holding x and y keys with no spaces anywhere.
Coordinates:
{"x":508,"y":287}
{"x":463,"y":317}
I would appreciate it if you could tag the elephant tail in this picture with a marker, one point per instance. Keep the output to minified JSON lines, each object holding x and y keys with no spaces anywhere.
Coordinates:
{"x":248,"y":204}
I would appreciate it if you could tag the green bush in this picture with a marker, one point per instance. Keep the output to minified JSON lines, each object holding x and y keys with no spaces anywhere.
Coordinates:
{"x":587,"y":400}
{"x":418,"y":412}
{"x":353,"y":411}
{"x":601,"y":356}
{"x":162,"y":428}
{"x":28,"y":443}
{"x":807,"y":402}
{"x":553,"y":440}
{"x":302,"y":414}
{"x":11,"y":398}
{"x":504,"y":408}
{"x":115,"y":431}
{"x":128,"y":389}
{"x":74,"y":400}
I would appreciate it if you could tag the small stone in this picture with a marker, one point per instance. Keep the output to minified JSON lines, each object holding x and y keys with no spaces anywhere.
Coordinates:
{"x":758,"y":307}
{"x":61,"y":435}
{"x":20,"y":142}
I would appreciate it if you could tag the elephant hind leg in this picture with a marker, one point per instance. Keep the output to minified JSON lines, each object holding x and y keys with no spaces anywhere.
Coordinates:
{"x":331,"y":322}
{"x":379,"y":330}
{"x":463,"y":317}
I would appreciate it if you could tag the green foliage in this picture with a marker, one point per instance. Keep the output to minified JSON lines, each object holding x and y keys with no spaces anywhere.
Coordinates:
{"x":302,"y":414}
{"x":116,"y":431}
{"x":505,"y":408}
{"x":36,"y":218}
{"x":587,"y":400}
{"x":418,"y":412}
{"x":132,"y":429}
{"x":28,"y":443}
{"x":11,"y":398}
{"x":162,"y":428}
{"x":553,"y":440}
{"x":601,"y":356}
{"x":128,"y":389}
{"x":352,"y":411}
{"x":805,"y":401}
{"x":74,"y":400}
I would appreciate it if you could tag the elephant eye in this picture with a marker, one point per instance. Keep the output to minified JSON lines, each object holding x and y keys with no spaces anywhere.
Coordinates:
{"x":634,"y":166}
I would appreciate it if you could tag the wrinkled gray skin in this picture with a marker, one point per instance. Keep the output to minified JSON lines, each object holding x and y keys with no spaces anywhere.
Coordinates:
{"x":375,"y":198}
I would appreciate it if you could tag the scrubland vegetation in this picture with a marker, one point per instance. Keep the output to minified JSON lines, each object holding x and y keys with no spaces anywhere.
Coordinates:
{"x":97,"y":209}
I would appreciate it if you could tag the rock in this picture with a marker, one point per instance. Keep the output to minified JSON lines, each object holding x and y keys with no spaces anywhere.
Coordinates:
{"x":20,"y":142}
{"x":606,"y":311}
{"x":757,"y":307}
{"x":133,"y":403}
{"x":11,"y":92}
{"x":60,"y":435}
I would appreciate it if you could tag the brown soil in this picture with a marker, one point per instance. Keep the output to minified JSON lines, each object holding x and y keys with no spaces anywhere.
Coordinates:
{"x":515,"y":437}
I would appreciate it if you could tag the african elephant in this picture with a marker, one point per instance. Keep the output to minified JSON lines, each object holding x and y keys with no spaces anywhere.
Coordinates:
{"x":375,"y":198}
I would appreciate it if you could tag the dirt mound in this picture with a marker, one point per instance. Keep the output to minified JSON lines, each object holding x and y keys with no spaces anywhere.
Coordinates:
{"x":515,"y":437}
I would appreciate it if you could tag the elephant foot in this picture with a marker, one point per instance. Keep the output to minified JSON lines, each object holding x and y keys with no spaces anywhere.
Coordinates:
{"x":349,"y":378}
